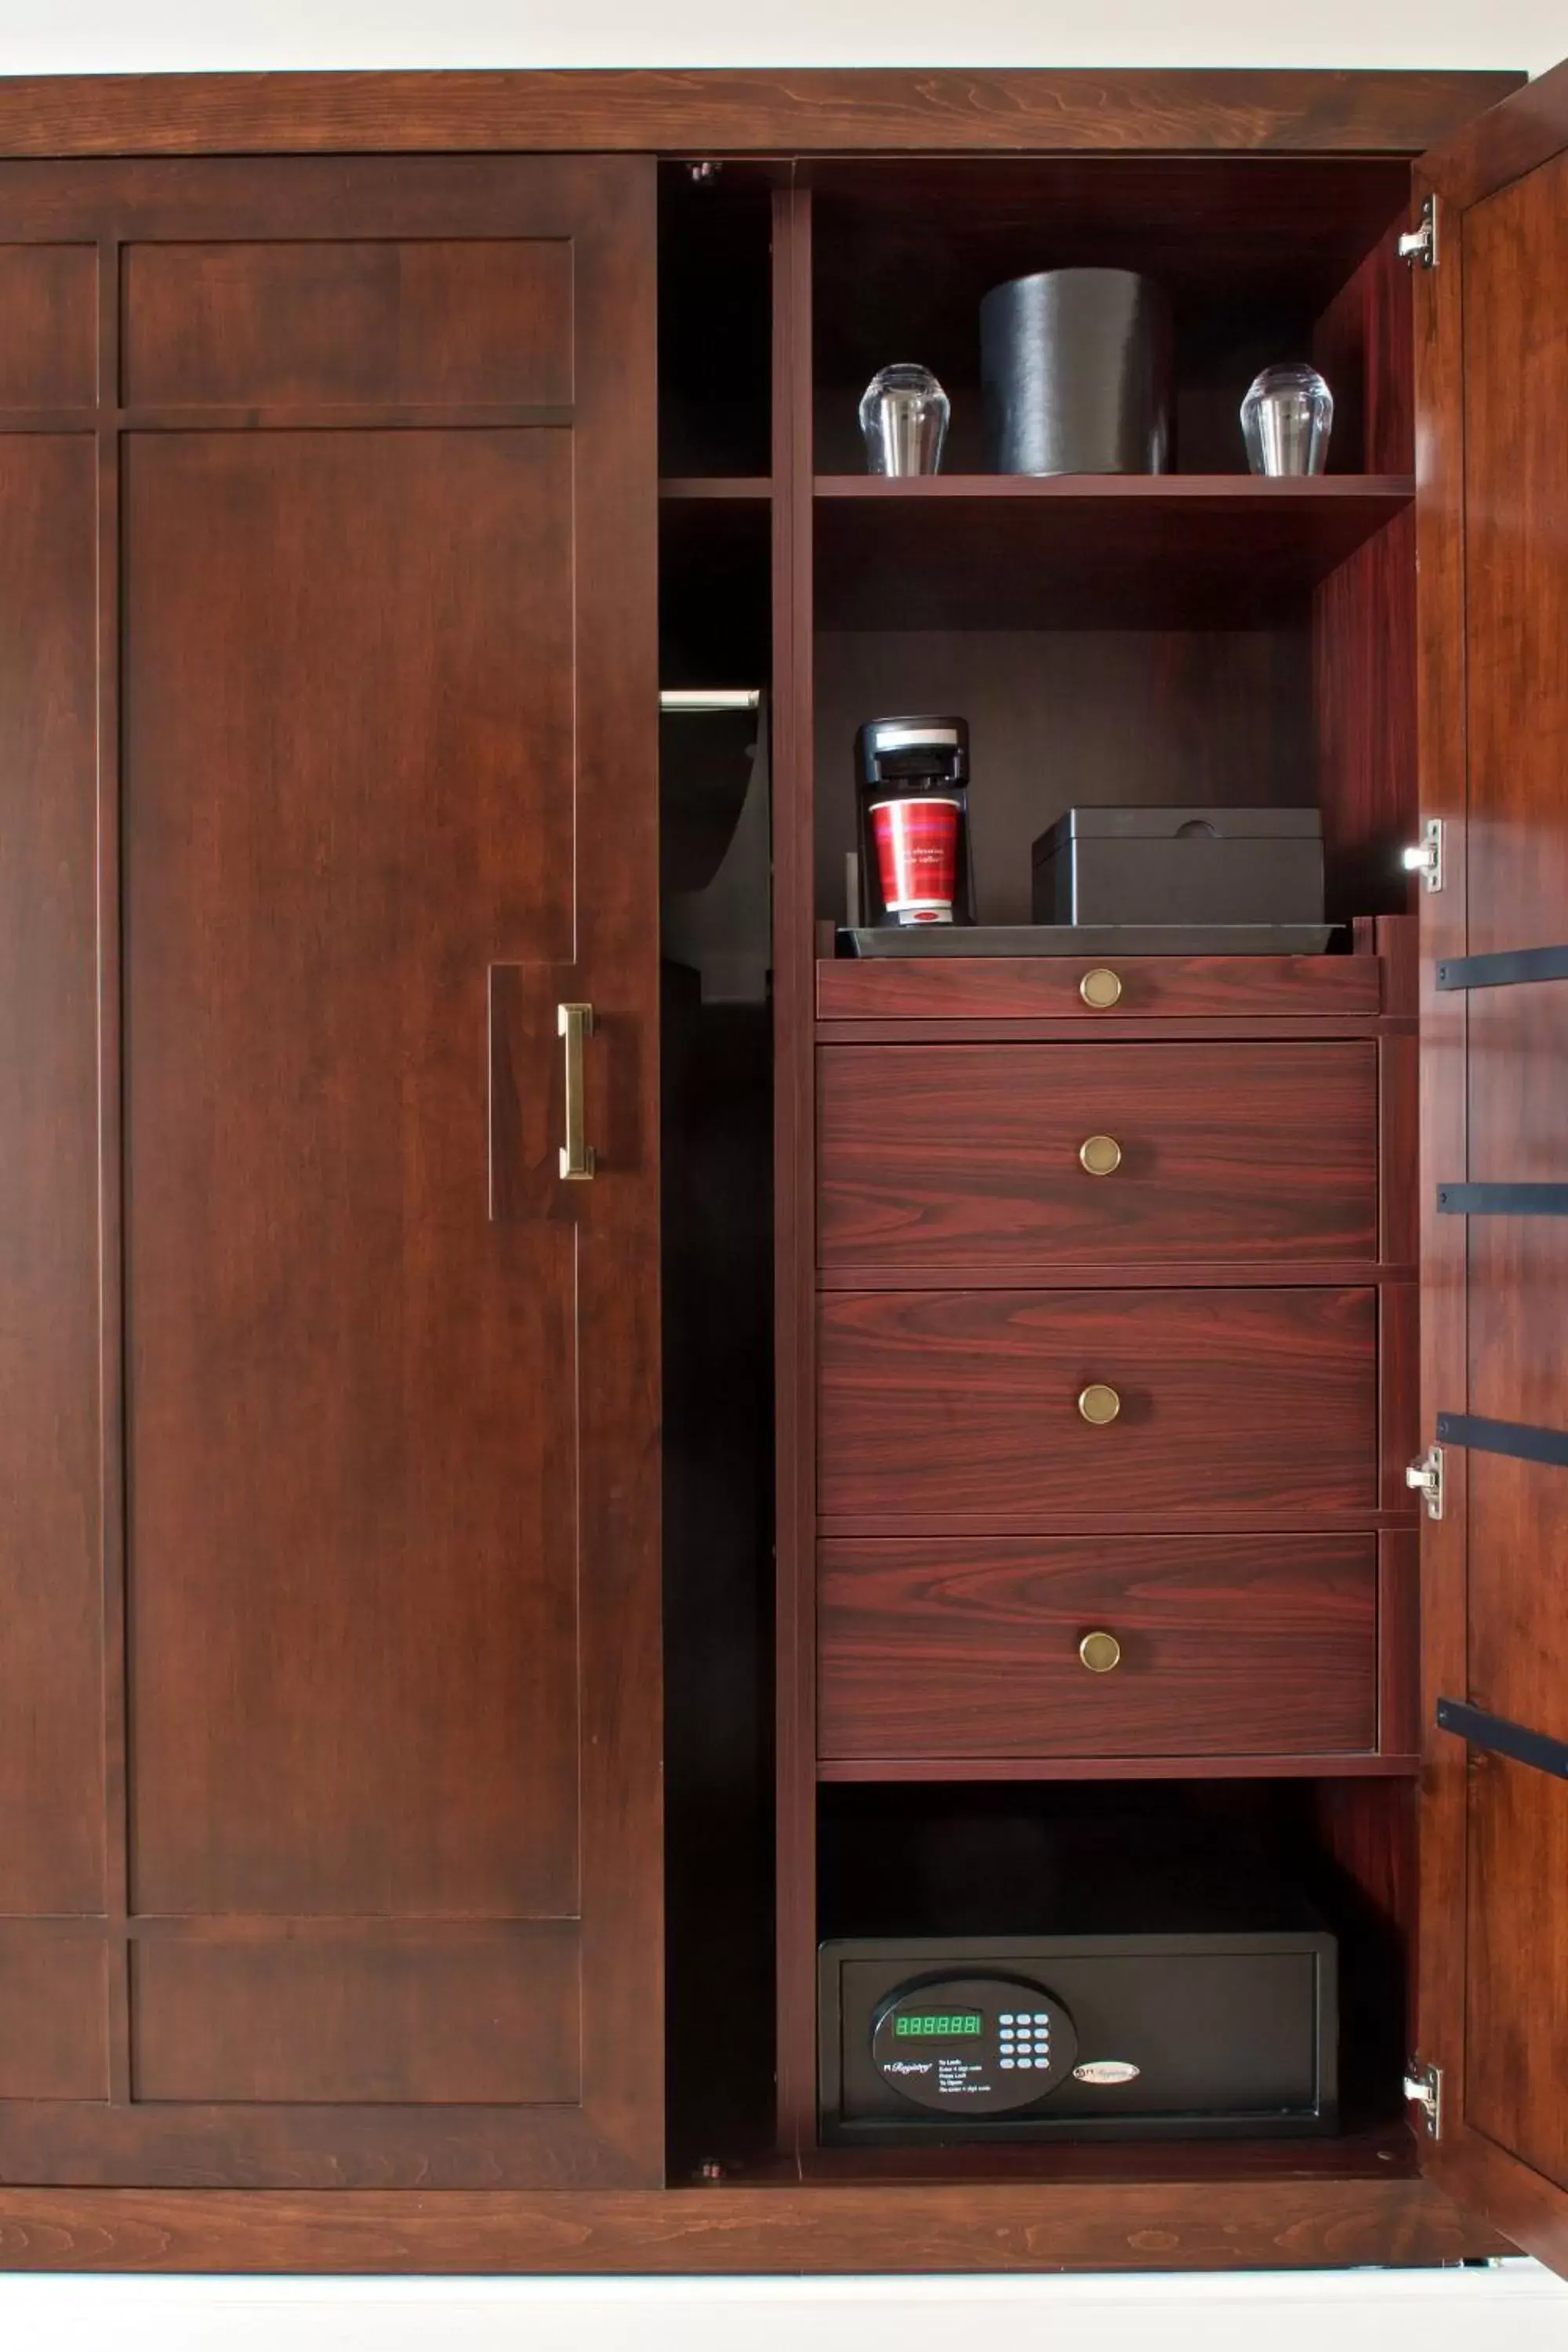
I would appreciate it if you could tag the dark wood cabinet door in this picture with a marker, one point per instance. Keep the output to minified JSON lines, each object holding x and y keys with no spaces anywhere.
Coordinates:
{"x":1492,"y":327}
{"x":330,"y":1842}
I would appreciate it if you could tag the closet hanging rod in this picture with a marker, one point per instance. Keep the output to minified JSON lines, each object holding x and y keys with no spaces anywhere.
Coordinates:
{"x":689,"y":699}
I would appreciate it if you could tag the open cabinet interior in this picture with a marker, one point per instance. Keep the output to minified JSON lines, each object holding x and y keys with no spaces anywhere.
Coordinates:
{"x":1197,"y":637}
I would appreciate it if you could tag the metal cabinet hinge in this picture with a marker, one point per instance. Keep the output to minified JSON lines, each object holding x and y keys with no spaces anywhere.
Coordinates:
{"x":1423,"y":2089}
{"x":1427,"y":857}
{"x":1425,"y":1477}
{"x":1420,"y":244}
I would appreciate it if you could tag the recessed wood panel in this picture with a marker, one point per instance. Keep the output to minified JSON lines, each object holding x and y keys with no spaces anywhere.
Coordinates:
{"x":1517,"y":1994}
{"x":1230,"y":1647}
{"x":349,"y":788}
{"x":1516,"y":388}
{"x":48,"y":343}
{"x":332,"y":2017}
{"x":964,"y":1403}
{"x":53,"y":2011}
{"x":1517,"y":1621}
{"x":969,"y":1155}
{"x":396,"y":319}
{"x":51,"y":1604}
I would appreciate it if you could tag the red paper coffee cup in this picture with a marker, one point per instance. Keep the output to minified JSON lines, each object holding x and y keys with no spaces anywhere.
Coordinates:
{"x":917,"y":854}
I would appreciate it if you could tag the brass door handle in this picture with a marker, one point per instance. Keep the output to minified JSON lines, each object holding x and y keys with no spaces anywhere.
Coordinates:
{"x":1100,"y":1155}
{"x":574,"y":1022}
{"x":1101,"y":989}
{"x":1098,"y":1404}
{"x":1100,"y":1653}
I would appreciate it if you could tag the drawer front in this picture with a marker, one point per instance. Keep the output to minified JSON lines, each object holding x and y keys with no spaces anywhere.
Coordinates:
{"x":1050,"y":987}
{"x":967,"y":1402}
{"x":974,"y":1155}
{"x":1230,"y":1645}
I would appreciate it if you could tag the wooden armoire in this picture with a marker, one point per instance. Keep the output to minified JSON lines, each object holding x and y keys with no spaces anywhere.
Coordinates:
{"x":519,"y":1459}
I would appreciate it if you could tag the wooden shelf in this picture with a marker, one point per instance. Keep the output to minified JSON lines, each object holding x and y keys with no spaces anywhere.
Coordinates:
{"x":1365,"y":2150}
{"x":1081,"y":551}
{"x":753,"y":487}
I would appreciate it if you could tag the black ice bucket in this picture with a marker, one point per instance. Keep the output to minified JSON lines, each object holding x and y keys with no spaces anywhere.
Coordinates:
{"x":1076,"y":371}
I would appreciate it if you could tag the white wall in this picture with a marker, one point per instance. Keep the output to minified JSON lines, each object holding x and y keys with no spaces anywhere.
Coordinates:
{"x":182,"y":36}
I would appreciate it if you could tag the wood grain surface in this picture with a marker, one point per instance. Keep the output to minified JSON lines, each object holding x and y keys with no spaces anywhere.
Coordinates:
{"x":450,"y":2014}
{"x":1517,"y":2060}
{"x":1229,"y":1646}
{"x":380,"y":673}
{"x":1438,"y":2006}
{"x":1086,"y":551}
{"x":1490,"y":368}
{"x":54,"y":2010}
{"x":422,"y":322}
{"x":969,"y":1155}
{"x":1132,"y":2224}
{"x":799,"y":111}
{"x":52,"y":1841}
{"x":49,"y":294}
{"x":1011,"y":988}
{"x":323,"y":1324}
{"x":964,"y":1403}
{"x":1518,"y":897}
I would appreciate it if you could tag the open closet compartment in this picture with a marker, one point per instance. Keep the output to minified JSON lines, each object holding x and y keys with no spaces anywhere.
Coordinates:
{"x":716,"y":1082}
{"x":1196,"y":638}
{"x":1203,"y":1957}
{"x":1201,"y":636}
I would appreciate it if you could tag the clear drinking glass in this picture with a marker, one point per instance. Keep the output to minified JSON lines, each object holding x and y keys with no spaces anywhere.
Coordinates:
{"x":1285,"y":420}
{"x":903,"y":417}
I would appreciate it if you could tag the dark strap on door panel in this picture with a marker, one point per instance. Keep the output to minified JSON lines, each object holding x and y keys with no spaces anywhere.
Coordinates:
{"x":1505,"y":971}
{"x":1500,"y":1737}
{"x":1503,"y":1200}
{"x":1511,"y":1437}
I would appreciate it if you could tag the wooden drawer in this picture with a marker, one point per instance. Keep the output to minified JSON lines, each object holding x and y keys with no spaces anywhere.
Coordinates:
{"x":969,"y":1155}
{"x":1231,"y":1646}
{"x":1039,"y":988}
{"x":964,"y":1404}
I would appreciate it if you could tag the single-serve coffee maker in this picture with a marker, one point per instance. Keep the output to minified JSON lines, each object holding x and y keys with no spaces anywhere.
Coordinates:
{"x":912,"y":788}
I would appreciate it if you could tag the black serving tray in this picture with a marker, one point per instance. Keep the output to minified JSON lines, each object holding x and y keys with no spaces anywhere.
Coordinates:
{"x":965,"y":940}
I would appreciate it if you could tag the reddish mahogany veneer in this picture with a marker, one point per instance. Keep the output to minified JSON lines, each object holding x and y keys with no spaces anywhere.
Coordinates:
{"x":969,"y":1155}
{"x":1230,"y":1645}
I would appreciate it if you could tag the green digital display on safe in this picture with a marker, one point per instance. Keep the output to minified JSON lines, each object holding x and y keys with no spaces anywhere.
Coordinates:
{"x":962,"y":2024}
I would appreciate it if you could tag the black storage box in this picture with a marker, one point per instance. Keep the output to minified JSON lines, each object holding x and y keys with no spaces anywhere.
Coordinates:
{"x":1181,"y":866}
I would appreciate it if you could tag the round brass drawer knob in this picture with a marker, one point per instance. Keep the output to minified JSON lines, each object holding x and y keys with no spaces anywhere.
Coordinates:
{"x":1098,"y":1404}
{"x":1101,"y":1653}
{"x":1100,"y":988}
{"x":1100,"y":1155}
